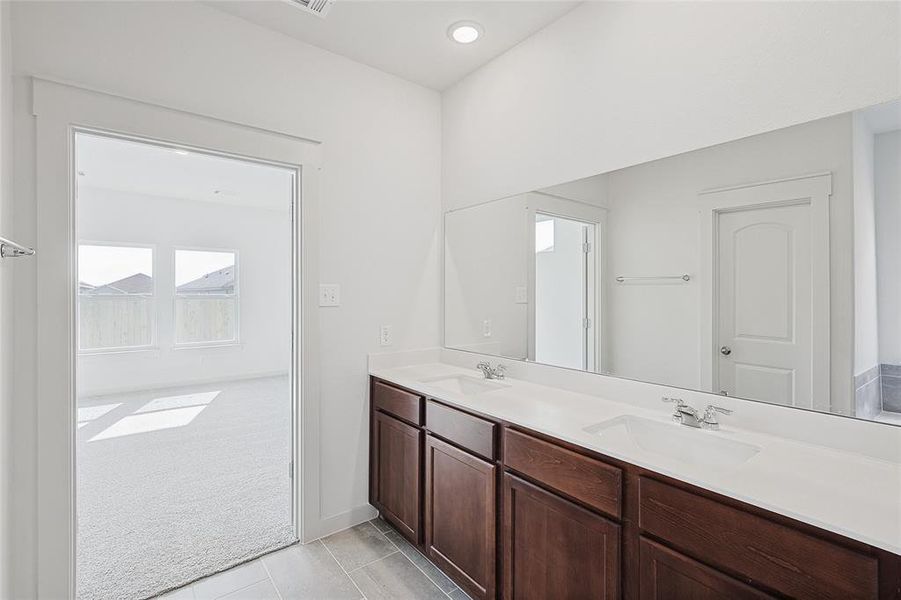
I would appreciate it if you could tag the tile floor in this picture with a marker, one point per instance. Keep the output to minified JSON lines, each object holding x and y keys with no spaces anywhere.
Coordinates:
{"x":369,"y":561}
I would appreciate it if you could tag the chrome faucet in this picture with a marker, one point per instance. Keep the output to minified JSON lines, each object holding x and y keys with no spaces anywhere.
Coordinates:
{"x":490,"y":372}
{"x":690,"y":417}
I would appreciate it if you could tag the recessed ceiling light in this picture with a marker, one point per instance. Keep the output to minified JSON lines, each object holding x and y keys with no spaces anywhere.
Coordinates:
{"x":465,"y":32}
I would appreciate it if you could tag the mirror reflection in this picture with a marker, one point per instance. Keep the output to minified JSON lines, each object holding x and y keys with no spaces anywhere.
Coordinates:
{"x":765,"y":268}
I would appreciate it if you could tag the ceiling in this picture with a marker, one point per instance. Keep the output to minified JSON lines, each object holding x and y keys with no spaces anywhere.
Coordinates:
{"x":127,"y":166}
{"x":406,"y":38}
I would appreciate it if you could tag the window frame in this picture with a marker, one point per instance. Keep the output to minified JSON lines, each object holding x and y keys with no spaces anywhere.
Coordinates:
{"x":236,"y":296}
{"x":153,"y":309}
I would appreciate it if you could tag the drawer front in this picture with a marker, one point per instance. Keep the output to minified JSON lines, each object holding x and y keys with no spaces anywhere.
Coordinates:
{"x":397,"y":402}
{"x":585,"y":479}
{"x":758,"y":550}
{"x":469,"y":432}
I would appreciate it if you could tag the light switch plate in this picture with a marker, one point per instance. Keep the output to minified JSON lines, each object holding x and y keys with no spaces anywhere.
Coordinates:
{"x":329,"y":294}
{"x":486,"y":328}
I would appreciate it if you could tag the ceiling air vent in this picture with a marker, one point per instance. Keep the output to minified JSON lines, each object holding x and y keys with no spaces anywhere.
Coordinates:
{"x":317,"y":7}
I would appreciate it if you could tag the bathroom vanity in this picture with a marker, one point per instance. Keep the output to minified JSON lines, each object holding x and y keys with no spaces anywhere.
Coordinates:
{"x":721,"y":276}
{"x":509,"y":509}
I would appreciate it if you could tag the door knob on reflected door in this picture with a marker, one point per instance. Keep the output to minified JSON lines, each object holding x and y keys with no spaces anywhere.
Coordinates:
{"x":725,"y":350}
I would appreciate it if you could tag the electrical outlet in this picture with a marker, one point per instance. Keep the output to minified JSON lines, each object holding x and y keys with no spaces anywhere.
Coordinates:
{"x":386,"y":337}
{"x":329,"y":294}
{"x":486,"y":328}
{"x":522,"y":296}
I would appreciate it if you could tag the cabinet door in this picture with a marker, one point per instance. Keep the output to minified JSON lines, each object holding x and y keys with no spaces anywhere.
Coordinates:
{"x":556,"y":549}
{"x":668,"y":575}
{"x":460,"y":516}
{"x":396,"y":468}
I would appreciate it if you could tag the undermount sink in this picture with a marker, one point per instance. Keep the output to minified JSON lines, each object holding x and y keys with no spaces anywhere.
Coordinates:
{"x":693,"y":446}
{"x":466,"y":385}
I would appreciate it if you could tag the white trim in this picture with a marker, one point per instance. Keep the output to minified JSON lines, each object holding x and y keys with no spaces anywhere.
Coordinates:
{"x":181,"y":110}
{"x":815,"y":190}
{"x":60,"y":110}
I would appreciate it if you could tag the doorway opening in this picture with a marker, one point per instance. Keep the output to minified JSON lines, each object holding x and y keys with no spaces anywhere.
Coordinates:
{"x":184,"y":371}
{"x":565,"y":292}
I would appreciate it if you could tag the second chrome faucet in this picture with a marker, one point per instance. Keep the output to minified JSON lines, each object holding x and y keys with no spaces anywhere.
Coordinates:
{"x":691,"y":417}
{"x":490,"y":372}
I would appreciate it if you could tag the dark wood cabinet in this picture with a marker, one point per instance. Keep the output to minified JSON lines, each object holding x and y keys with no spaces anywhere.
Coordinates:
{"x":556,"y":549}
{"x":772,"y":555}
{"x":396,"y":466}
{"x":460,"y":522}
{"x":567,"y":522}
{"x":668,"y":575}
{"x":585,"y":479}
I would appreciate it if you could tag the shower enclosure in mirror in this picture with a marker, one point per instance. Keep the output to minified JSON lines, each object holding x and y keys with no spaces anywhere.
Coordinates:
{"x":765,"y":268}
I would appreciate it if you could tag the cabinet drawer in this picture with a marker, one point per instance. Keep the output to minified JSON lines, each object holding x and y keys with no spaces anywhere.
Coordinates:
{"x":758,"y":550}
{"x":585,"y":479}
{"x":398,"y":402}
{"x":465,"y":430}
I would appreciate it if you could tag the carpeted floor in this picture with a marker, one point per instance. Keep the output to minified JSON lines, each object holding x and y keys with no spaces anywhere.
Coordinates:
{"x":176,"y":484}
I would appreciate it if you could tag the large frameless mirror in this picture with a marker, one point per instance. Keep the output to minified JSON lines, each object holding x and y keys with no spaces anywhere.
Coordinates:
{"x":765,"y":268}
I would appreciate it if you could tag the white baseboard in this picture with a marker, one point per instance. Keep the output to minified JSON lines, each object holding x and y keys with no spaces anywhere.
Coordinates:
{"x":346,"y":520}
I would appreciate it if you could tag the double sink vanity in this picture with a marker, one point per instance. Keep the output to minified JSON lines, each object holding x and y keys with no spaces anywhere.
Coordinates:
{"x":753,"y":287}
{"x":520,"y":490}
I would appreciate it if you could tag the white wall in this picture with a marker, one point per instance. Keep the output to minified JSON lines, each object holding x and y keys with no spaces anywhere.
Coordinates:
{"x":887,"y":188}
{"x":379,"y":204}
{"x":866,"y":313}
{"x":262,"y":240}
{"x":613,"y":84}
{"x":6,"y":302}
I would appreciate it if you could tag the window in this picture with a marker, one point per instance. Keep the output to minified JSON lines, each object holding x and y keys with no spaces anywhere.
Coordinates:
{"x":544,"y":234}
{"x":115,"y":297}
{"x":206,"y":296}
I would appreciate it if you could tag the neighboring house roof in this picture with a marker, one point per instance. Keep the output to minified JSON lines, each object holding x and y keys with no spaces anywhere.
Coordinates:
{"x":139,"y":283}
{"x":215,"y":282}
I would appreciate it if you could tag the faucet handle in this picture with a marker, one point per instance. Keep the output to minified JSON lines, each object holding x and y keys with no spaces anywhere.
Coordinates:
{"x":710,"y":418}
{"x":678,"y":404}
{"x":500,"y":371}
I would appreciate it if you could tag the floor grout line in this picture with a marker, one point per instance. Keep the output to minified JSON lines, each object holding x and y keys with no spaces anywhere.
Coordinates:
{"x":435,"y":583}
{"x":271,"y":580}
{"x":372,"y":562}
{"x":340,"y":566}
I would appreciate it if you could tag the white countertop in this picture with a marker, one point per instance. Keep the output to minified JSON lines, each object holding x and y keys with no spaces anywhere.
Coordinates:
{"x":851,"y":494}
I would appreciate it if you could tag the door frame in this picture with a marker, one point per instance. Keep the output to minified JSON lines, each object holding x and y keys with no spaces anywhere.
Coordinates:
{"x":814,"y":190}
{"x":596,"y":218}
{"x":61,"y":110}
